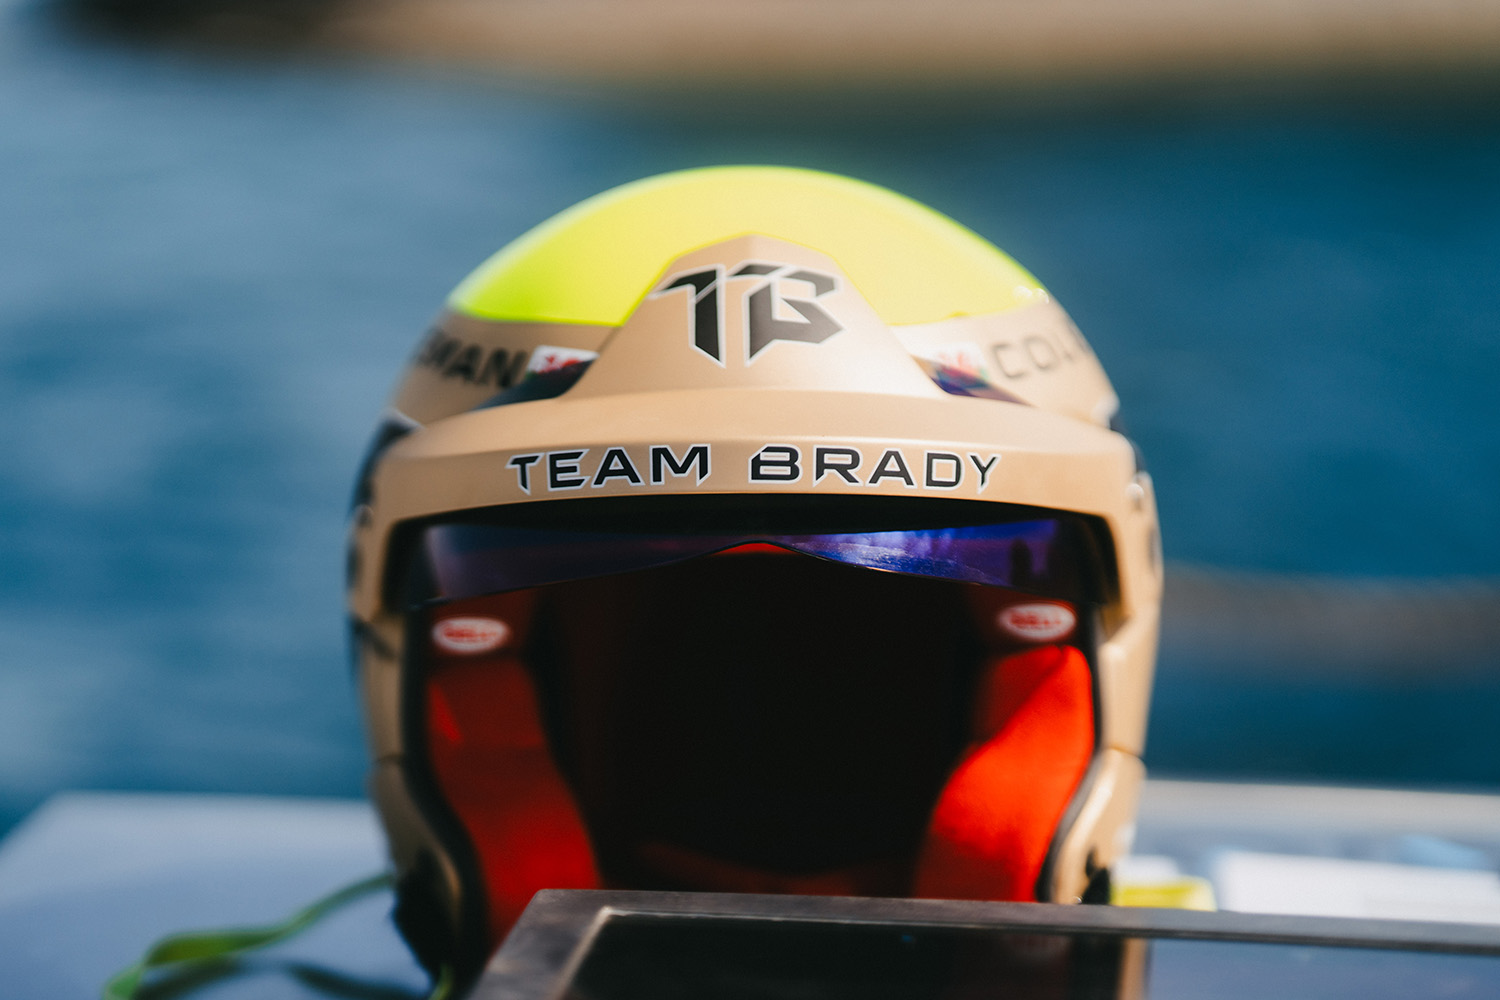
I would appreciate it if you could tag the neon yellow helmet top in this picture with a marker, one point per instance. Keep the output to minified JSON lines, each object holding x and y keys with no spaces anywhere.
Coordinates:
{"x":592,"y":263}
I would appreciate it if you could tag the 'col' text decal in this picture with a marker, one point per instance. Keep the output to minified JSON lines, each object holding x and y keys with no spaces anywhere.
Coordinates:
{"x":646,"y":466}
{"x":762,"y":327}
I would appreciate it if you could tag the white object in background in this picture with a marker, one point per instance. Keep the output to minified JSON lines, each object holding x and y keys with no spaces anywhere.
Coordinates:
{"x":1334,"y":887}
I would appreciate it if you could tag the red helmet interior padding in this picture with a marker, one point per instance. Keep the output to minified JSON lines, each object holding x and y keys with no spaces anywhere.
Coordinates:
{"x":488,"y":748}
{"x":994,"y":819}
{"x":1023,"y":739}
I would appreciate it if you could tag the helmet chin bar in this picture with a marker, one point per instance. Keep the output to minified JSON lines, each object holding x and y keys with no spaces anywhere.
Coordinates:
{"x":459,"y":830}
{"x":1098,"y":830}
{"x":439,"y":916}
{"x":1099,"y":827}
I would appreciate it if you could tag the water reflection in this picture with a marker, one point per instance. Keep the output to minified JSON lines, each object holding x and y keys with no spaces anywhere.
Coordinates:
{"x":212,"y":269}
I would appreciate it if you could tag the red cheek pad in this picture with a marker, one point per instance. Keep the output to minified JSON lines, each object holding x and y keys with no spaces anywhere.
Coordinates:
{"x":489,"y":753}
{"x":995,"y":818}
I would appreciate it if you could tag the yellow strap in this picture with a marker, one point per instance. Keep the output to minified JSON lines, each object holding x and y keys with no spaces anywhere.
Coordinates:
{"x":1185,"y":892}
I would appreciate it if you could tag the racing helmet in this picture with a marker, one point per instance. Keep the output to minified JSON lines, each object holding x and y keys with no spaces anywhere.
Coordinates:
{"x":750,"y":529}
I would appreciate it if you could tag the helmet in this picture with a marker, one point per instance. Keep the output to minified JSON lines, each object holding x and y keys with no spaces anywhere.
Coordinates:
{"x":750,"y":529}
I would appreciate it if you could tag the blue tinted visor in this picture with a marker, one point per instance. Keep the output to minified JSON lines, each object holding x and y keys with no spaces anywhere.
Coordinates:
{"x":1043,"y":555}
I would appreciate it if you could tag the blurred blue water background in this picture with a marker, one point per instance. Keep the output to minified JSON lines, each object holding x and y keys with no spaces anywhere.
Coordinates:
{"x":211,"y":270}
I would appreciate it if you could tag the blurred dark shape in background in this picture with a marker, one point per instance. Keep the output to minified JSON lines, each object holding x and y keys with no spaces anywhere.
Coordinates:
{"x":856,"y":45}
{"x":1369,"y":680}
{"x":239,"y":23}
{"x":1277,"y":224}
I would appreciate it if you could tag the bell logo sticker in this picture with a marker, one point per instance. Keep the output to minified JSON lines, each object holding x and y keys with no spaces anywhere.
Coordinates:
{"x":470,"y":636}
{"x":1037,"y":622}
{"x":770,"y":313}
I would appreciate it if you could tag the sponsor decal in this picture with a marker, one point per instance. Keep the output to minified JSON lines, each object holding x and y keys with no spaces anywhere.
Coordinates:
{"x":1038,"y":621}
{"x":475,"y":364}
{"x":470,"y":635}
{"x":958,"y":369}
{"x":776,"y":463}
{"x":941,"y":470}
{"x":554,"y":471}
{"x":665,"y":463}
{"x":1040,"y":353}
{"x":961,"y":361}
{"x":983,"y":467}
{"x":545,"y":360}
{"x":706,"y":321}
{"x":934,"y":470}
{"x":662,"y":464}
{"x":770,"y":313}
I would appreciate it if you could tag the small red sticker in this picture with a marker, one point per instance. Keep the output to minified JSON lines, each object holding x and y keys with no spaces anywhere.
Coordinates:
{"x":467,"y":636}
{"x":553,"y":359}
{"x":1038,"y":622}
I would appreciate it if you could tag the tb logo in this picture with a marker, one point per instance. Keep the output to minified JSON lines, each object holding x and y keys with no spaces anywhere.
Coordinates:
{"x":762,"y":325}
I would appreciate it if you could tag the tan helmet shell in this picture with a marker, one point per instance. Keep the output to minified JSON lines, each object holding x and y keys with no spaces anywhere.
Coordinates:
{"x":657,"y":412}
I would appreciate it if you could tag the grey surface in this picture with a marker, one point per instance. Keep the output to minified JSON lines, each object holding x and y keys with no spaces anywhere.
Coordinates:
{"x":1192,"y":822}
{"x":89,"y":881}
{"x":554,"y":934}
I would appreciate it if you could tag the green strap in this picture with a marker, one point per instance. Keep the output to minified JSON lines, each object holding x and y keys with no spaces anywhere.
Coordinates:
{"x":184,"y":952}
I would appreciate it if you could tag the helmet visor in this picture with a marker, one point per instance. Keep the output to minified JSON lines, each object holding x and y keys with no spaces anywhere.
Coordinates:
{"x":1047,"y":556}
